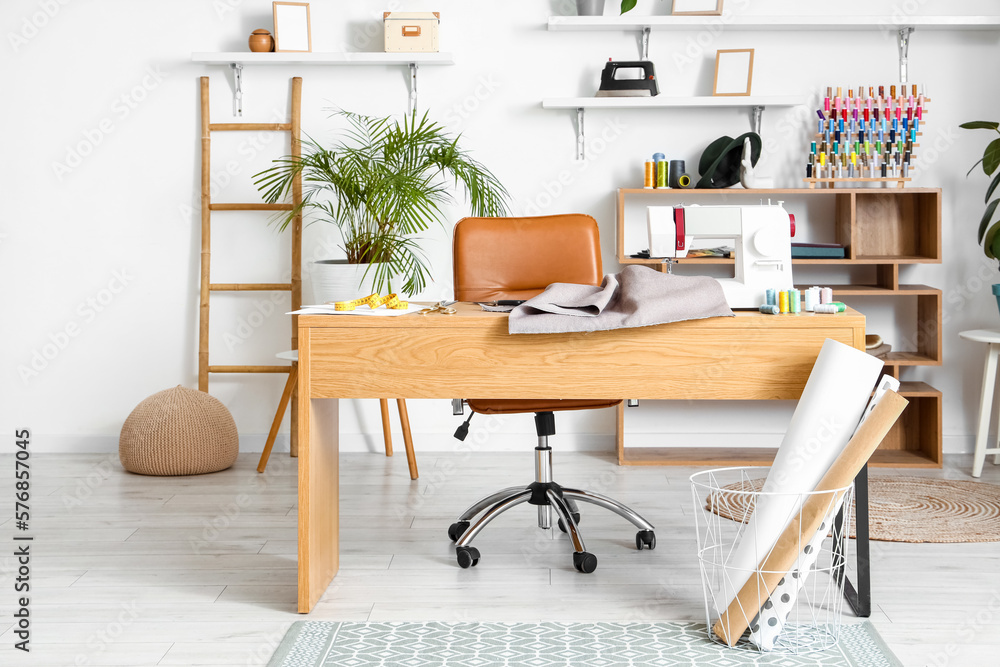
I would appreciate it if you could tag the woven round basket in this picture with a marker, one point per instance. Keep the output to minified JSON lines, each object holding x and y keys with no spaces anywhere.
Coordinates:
{"x":178,"y":432}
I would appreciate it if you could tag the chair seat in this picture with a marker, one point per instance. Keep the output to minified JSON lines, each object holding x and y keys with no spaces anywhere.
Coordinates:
{"x":517,"y":406}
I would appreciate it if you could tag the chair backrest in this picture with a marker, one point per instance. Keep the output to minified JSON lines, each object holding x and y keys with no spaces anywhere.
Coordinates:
{"x":517,"y":258}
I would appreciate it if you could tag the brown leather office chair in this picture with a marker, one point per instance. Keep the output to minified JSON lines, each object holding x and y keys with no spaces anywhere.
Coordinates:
{"x":517,"y":258}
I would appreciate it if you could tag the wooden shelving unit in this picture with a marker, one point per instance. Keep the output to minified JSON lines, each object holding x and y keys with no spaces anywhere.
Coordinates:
{"x":884,"y":229}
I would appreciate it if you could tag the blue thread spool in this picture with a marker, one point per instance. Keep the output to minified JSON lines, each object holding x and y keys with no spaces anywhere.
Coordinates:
{"x":771,"y":309}
{"x":771,"y":299}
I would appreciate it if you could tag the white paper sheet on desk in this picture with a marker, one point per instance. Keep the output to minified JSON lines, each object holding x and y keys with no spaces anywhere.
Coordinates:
{"x":381,"y":311}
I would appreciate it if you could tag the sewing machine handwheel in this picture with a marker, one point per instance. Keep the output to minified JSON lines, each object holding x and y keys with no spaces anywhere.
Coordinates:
{"x":457,"y":529}
{"x":576,"y":520}
{"x":467,"y":557}
{"x":647,"y":538}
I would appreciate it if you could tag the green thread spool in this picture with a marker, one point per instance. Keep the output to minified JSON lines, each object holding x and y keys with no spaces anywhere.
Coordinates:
{"x":662,"y":171}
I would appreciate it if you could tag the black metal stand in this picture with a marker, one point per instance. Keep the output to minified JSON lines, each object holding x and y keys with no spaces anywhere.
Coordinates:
{"x":859,"y":598}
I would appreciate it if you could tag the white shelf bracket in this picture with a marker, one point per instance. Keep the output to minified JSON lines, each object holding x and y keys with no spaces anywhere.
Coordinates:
{"x":581,"y":135}
{"x":413,"y":89}
{"x":646,"y":32}
{"x":237,"y":88}
{"x":757,"y":116}
{"x":903,"y":39}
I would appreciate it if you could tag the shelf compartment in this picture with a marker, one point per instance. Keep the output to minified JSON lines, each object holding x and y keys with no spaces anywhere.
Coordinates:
{"x":898,"y":228}
{"x":915,"y":441}
{"x":876,"y":290}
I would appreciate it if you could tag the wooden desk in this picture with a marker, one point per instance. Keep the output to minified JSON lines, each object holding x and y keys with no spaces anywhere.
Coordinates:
{"x":470,"y":354}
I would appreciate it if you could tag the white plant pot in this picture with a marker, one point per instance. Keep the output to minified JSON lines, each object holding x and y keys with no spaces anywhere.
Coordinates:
{"x":590,"y":7}
{"x":336,"y":280}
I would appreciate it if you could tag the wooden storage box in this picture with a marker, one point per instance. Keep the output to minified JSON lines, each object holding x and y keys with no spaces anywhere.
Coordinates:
{"x":412,"y":32}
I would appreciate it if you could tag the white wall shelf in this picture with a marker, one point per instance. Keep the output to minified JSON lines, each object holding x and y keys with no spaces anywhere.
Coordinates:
{"x":665,"y":102}
{"x":756,"y":103}
{"x":903,"y":28}
{"x":760,"y":23}
{"x":236,"y":60}
{"x":248,"y":58}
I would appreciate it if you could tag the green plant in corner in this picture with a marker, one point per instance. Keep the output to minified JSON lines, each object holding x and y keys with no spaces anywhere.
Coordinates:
{"x":382,"y":183}
{"x":989,"y":235}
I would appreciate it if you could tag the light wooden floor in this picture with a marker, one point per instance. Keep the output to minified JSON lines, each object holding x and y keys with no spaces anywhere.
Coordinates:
{"x":131,"y":570}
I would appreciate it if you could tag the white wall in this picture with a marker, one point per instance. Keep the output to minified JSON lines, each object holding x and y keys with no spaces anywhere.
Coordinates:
{"x":106,"y":89}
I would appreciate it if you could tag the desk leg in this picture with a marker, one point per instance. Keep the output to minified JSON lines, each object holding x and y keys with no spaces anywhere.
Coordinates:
{"x":859,"y":598}
{"x":319,"y":491}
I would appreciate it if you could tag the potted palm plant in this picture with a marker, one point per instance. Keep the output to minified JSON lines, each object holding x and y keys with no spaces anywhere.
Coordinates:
{"x":989,"y":234}
{"x":381,"y":183}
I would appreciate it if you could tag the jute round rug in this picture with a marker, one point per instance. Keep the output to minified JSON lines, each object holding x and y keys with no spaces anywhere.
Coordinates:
{"x":909,"y":509}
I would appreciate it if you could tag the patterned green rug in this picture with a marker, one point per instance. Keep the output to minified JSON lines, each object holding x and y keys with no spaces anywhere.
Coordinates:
{"x":323,"y":644}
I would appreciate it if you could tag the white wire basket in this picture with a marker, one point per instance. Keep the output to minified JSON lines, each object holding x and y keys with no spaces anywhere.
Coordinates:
{"x":748,"y":601}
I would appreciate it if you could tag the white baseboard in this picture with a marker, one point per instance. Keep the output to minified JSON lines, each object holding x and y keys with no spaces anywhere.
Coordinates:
{"x":496,"y":442}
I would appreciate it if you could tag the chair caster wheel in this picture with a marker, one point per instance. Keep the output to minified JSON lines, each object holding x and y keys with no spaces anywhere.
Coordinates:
{"x":562,"y":524}
{"x":457,"y":529}
{"x":645,"y":537}
{"x":467,"y":557}
{"x":585,"y":562}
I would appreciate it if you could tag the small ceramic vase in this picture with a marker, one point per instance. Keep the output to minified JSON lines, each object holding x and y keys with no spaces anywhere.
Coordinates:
{"x":261,"y":41}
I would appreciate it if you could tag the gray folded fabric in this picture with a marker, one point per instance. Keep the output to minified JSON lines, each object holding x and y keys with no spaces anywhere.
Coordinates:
{"x":637,"y":297}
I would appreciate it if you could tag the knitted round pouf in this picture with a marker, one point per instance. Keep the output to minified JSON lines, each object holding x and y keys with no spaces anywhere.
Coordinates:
{"x":178,"y":432}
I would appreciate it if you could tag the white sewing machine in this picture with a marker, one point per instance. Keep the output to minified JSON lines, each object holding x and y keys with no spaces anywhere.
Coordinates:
{"x":762,"y":237}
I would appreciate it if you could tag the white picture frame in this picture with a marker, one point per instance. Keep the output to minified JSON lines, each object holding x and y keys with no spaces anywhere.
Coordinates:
{"x":697,"y":8}
{"x":733,"y":73}
{"x":292,"y":27}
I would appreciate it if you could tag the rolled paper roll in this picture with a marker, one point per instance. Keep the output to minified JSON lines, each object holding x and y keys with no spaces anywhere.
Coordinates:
{"x":804,"y":524}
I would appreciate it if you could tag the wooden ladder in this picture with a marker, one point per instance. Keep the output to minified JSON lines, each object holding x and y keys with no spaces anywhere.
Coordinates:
{"x":294,"y":127}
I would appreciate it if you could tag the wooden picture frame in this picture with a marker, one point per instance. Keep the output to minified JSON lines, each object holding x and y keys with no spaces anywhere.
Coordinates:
{"x":292,"y":27}
{"x":697,"y":8}
{"x":733,"y":73}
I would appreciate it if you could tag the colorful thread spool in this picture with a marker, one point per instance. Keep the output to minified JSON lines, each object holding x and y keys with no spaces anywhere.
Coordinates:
{"x":826,"y":295}
{"x":827,"y":308}
{"x":662,"y":169}
{"x":650,"y":175}
{"x":770,"y":309}
{"x":783,"y":301}
{"x":794,"y":301}
{"x":811,"y":299}
{"x":840,"y":305}
{"x":770,"y":298}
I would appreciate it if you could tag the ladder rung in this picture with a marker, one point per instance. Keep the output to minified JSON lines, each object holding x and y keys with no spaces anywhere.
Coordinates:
{"x":250,"y":207}
{"x":250,"y":127}
{"x":250,"y":287}
{"x":249,"y":369}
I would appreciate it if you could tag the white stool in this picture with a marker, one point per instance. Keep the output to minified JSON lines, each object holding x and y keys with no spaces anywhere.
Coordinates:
{"x":992,"y":338}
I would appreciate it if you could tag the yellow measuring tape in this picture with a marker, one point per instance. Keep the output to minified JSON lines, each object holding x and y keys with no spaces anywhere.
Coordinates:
{"x":390,"y":301}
